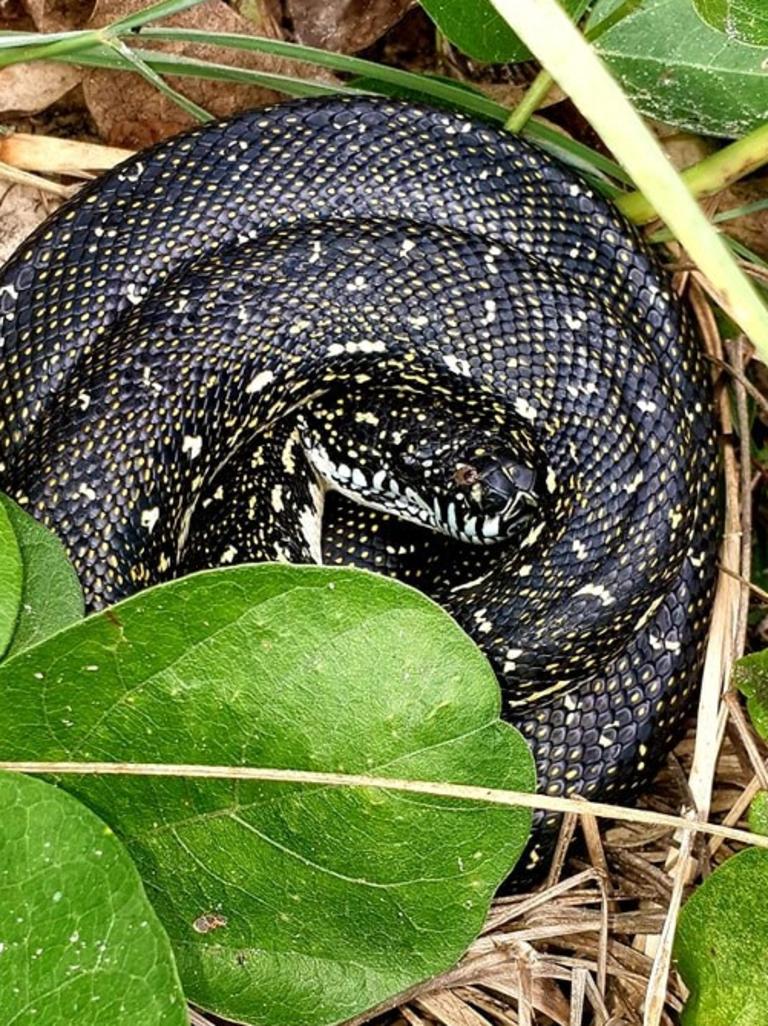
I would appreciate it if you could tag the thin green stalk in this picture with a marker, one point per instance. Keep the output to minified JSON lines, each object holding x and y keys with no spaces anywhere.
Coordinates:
{"x":710,"y":175}
{"x":64,"y":45}
{"x":58,"y":49}
{"x":148,"y":73}
{"x":530,"y":103}
{"x":537,"y":91}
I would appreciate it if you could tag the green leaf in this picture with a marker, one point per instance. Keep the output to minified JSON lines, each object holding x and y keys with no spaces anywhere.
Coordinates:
{"x":743,"y":20}
{"x":758,"y":813}
{"x":750,"y":677}
{"x":10,"y":581}
{"x":51,"y":596}
{"x":679,"y":70}
{"x":79,"y":941}
{"x":722,"y":945}
{"x":286,"y":904}
{"x":479,"y":31}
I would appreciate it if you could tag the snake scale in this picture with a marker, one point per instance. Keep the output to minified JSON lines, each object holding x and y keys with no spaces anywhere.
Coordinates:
{"x":359,"y":331}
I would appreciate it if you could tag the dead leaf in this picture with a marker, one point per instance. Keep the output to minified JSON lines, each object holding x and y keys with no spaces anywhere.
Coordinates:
{"x":752,"y":230}
{"x":50,"y":155}
{"x":130,"y":112}
{"x":21,"y":210}
{"x":344,"y":25}
{"x":58,"y":15}
{"x":29,"y":88}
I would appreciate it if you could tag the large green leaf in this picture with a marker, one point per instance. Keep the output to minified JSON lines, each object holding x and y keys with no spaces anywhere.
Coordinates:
{"x":722,"y":945}
{"x":10,"y":580}
{"x":478,"y":30}
{"x":745,"y":20}
{"x":286,"y":904}
{"x":51,"y":597}
{"x":79,"y":941}
{"x":678,"y":69}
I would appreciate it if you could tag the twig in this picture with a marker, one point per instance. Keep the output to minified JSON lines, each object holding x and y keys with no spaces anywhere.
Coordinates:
{"x":493,"y":796}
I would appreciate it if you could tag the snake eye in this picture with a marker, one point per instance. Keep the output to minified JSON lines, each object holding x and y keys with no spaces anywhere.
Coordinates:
{"x":466,"y":475}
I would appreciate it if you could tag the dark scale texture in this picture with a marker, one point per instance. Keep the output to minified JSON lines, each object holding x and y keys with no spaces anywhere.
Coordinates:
{"x":164,"y":337}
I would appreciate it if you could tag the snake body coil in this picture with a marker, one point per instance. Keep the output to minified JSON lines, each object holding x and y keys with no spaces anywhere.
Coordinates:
{"x":344,"y":310}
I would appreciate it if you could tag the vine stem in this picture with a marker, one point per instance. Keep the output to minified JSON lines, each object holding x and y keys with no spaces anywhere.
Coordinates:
{"x":466,"y":792}
{"x":530,"y":103}
{"x":708,"y":176}
{"x":549,"y":34}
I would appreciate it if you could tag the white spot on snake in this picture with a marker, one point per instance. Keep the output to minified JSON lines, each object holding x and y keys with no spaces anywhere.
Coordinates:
{"x":259,"y":382}
{"x":456,"y":365}
{"x":87,"y":491}
{"x":551,"y":480}
{"x":298,"y":326}
{"x":510,"y":662}
{"x":366,"y":417}
{"x":192,"y":445}
{"x":407,"y":246}
{"x":134,"y":293}
{"x":277,"y":498}
{"x":286,"y":456}
{"x":366,"y":346}
{"x":311,"y":525}
{"x":646,"y":406}
{"x":635,"y":483}
{"x":135,"y":174}
{"x":532,"y":536}
{"x":579,"y":548}
{"x":598,"y":592}
{"x":490,"y":527}
{"x":149,"y":518}
{"x":358,"y":479}
{"x":675,"y":518}
{"x":357,"y":284}
{"x":228,"y":555}
{"x":10,"y":290}
{"x":315,"y":249}
{"x":524,"y":408}
{"x":419,"y":321}
{"x":83,"y":400}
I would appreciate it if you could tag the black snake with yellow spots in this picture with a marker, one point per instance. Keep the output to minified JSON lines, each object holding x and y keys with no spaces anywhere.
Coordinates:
{"x":359,"y":331}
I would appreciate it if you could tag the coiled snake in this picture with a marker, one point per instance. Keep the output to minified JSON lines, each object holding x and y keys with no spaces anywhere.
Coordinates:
{"x":362,"y":331}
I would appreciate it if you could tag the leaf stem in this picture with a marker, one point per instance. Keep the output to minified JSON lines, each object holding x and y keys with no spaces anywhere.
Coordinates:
{"x":710,"y":175}
{"x":530,"y":103}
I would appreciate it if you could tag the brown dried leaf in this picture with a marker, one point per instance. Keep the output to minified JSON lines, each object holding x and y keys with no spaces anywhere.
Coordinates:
{"x":50,"y":155}
{"x":21,"y":210}
{"x":58,"y":15}
{"x":130,"y":112}
{"x":29,"y":88}
{"x":752,"y":230}
{"x":344,"y":25}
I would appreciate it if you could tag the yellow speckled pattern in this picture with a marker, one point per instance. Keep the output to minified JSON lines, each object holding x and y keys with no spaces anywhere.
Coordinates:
{"x":341,"y":294}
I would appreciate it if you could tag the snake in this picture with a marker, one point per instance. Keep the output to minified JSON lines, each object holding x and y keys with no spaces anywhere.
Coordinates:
{"x":359,"y":331}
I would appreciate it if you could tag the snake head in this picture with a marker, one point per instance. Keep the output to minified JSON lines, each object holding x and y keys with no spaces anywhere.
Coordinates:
{"x":495,"y":484}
